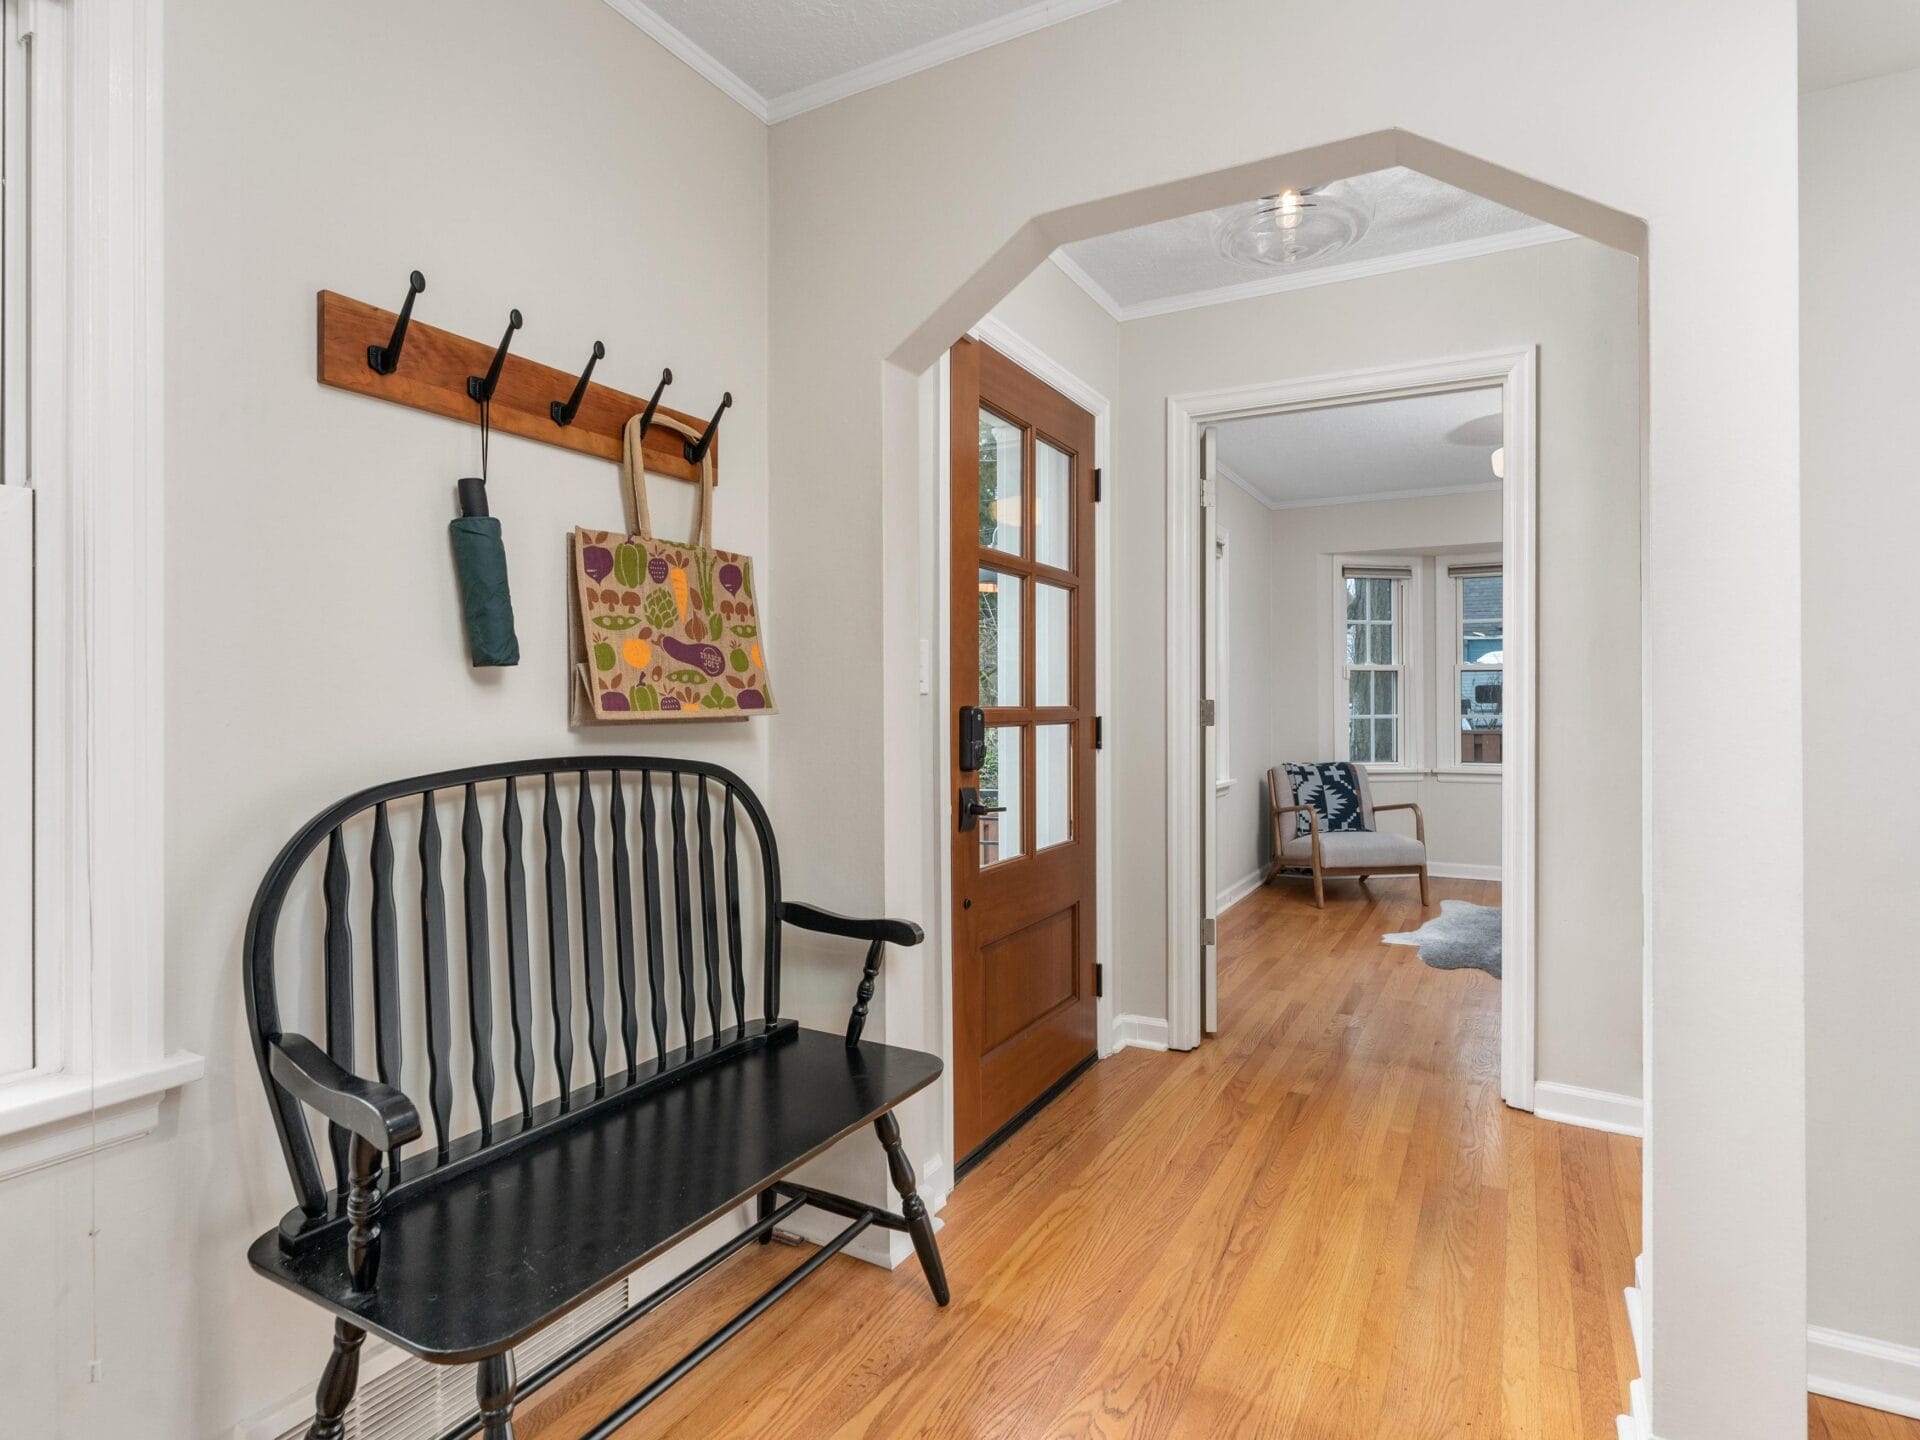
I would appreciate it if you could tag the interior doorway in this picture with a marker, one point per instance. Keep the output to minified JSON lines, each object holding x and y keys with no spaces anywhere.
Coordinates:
{"x":1021,"y":681}
{"x":1406,"y":678}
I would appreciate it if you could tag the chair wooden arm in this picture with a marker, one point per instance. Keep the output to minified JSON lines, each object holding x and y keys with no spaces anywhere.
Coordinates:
{"x":1419,"y":820}
{"x":378,"y":1114}
{"x":877,"y":933}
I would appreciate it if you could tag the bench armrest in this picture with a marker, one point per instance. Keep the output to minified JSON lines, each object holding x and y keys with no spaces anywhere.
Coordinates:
{"x":825,"y":922}
{"x":378,"y":1114}
{"x":875,"y":932}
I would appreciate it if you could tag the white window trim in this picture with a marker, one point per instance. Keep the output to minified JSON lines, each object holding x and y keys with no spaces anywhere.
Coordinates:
{"x":1447,"y":765}
{"x":102,"y":1067}
{"x":1223,"y":654}
{"x":1412,"y":627}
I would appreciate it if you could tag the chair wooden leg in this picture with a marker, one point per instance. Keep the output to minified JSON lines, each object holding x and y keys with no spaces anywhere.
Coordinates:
{"x":1319,"y":890}
{"x":495,"y":1385}
{"x":337,"y":1383}
{"x":1425,"y":899}
{"x":919,"y":1223}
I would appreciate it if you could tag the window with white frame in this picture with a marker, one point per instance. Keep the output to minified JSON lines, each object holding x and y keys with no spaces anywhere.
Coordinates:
{"x":1476,"y":637}
{"x":1222,"y":671}
{"x":1374,"y":666}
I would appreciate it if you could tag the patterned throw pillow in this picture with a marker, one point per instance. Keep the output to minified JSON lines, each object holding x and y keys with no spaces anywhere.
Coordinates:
{"x":1332,"y":789}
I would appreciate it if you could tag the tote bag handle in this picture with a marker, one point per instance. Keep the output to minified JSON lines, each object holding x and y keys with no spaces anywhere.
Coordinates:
{"x":633,"y":475}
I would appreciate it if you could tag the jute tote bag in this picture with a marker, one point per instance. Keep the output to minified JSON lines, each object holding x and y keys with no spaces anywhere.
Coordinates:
{"x":664,"y":630}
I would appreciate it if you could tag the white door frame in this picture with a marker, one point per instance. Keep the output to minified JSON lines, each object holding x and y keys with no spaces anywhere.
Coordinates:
{"x":1029,"y":357}
{"x":1187,"y":415}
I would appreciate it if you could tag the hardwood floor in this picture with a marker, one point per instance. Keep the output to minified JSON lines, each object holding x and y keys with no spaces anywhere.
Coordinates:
{"x":1321,"y":1225}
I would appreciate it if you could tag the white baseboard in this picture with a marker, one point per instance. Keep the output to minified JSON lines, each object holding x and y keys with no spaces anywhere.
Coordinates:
{"x":1593,"y":1109}
{"x":1863,"y":1371}
{"x":1438,"y":871}
{"x":1231,"y":895}
{"x":1142,"y":1032}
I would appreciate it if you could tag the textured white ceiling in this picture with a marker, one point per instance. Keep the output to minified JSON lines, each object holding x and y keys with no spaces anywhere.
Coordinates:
{"x":1375,"y":449}
{"x":782,"y":47}
{"x":1411,"y":213}
{"x":1846,"y":40}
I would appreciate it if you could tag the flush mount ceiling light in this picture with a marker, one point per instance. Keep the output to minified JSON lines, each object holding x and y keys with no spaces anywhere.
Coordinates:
{"x":1290,"y":228}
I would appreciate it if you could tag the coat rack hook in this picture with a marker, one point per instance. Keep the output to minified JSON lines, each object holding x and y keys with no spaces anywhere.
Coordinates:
{"x":646,"y":416}
{"x":481,"y":391}
{"x":385,"y":359}
{"x":696,"y":450}
{"x":563,"y":414}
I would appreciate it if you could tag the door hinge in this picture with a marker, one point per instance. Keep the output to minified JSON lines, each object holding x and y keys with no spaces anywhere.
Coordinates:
{"x":1099,"y":980}
{"x":1206,"y":712}
{"x":1206,"y":494}
{"x":1099,"y":731}
{"x":1096,"y":484}
{"x":1209,"y":931}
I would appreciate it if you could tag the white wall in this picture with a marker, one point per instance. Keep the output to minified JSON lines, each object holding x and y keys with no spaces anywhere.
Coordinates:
{"x":904,"y":213}
{"x":1462,"y":815}
{"x":549,"y":157}
{"x":1254,"y":640}
{"x":1579,"y":302}
{"x":1860,"y":310}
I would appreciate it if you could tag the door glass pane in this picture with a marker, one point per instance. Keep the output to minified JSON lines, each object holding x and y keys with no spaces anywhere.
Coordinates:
{"x":999,"y":638}
{"x":1053,"y":505}
{"x":1052,"y":785}
{"x":999,"y":779}
{"x":1000,"y":487}
{"x":1050,"y":631}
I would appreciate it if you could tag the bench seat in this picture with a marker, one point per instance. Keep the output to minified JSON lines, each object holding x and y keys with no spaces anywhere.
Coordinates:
{"x":480,"y":1260}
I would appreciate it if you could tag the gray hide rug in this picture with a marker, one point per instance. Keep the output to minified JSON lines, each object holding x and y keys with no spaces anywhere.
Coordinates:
{"x":1463,"y":936}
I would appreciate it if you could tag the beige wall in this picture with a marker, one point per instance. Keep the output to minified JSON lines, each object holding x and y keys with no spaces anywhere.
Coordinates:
{"x":904,"y":213}
{"x":1860,"y":311}
{"x":1579,"y":303}
{"x":1253,"y":646}
{"x":548,"y":157}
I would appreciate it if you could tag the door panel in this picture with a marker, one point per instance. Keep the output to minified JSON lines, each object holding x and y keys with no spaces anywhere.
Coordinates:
{"x":1022,"y":623}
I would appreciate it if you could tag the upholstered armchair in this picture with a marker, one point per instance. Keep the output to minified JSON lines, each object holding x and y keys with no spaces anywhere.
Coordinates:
{"x":1323,"y":822}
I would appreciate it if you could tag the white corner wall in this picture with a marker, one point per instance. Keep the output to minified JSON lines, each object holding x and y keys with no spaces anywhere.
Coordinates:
{"x":1860,"y":312}
{"x":545,"y":156}
{"x":1579,"y":302}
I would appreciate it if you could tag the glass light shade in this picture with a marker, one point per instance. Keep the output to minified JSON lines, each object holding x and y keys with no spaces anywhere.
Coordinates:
{"x":1499,"y":459}
{"x":1290,"y":228}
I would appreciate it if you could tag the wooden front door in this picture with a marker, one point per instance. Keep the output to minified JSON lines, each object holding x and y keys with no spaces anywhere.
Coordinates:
{"x":1022,"y":626}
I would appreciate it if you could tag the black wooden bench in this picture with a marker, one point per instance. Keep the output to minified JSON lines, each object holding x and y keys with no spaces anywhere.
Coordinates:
{"x":584,"y":1169}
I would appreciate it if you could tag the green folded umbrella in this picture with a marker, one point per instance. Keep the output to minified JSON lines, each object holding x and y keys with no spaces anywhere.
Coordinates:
{"x":480,"y":558}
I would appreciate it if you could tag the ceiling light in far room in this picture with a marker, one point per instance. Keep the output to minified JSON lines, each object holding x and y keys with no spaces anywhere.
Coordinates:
{"x":1291,"y":228}
{"x":1499,"y":462}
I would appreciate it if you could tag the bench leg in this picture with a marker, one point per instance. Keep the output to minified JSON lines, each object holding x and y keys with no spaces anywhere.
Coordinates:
{"x":337,"y":1383}
{"x":919,"y":1223}
{"x":495,"y":1385}
{"x":769,"y":1201}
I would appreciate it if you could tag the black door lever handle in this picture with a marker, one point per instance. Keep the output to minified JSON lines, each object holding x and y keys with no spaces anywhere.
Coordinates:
{"x":971,"y":809}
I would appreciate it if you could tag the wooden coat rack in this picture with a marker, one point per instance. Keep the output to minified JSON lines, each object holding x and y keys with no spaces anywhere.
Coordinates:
{"x":432,"y":373}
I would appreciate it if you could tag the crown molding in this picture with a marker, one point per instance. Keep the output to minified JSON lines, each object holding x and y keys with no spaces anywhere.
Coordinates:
{"x":1240,"y":482}
{"x":1306,"y":279}
{"x":1096,"y":292}
{"x":771,"y":111}
{"x":680,"y":45}
{"x":984,"y":36}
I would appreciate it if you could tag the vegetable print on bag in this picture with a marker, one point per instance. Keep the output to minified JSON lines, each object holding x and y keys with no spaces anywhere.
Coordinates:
{"x":668,"y":630}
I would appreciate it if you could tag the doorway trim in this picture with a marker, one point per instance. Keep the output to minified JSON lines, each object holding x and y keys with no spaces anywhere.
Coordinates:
{"x":1515,"y":371}
{"x":935,"y":418}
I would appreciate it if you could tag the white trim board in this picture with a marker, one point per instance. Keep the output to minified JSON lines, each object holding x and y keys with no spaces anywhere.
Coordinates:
{"x":1232,"y":894}
{"x":1139,"y":1032}
{"x":1441,"y":870}
{"x":1187,"y":415}
{"x":1306,"y":279}
{"x":1863,"y":1371}
{"x":1589,"y":1109}
{"x":771,"y":110}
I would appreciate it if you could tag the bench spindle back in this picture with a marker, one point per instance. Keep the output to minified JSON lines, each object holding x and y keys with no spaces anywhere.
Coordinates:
{"x":709,"y":965}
